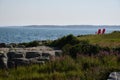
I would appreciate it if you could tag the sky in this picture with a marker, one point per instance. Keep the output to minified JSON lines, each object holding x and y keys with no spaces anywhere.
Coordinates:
{"x":59,"y":12}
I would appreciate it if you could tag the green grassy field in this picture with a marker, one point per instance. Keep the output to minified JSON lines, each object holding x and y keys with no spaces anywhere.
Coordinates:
{"x":104,"y":40}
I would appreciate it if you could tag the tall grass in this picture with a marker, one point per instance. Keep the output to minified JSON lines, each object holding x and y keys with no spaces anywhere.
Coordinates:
{"x":84,"y":67}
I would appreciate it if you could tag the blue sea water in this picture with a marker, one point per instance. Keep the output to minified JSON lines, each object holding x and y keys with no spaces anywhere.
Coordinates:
{"x":26,"y":34}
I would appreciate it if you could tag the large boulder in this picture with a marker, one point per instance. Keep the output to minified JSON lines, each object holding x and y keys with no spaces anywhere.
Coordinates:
{"x":19,"y":55}
{"x":20,"y":62}
{"x":14,"y":59}
{"x":3,"y":61}
{"x":114,"y":76}
{"x":36,"y":61}
{"x":32,"y":54}
{"x":46,"y":59}
{"x":46,"y":55}
{"x":12,"y":55}
{"x":11,"y":64}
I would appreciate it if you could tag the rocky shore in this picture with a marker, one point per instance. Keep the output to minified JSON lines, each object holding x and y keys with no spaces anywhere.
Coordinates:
{"x":16,"y":56}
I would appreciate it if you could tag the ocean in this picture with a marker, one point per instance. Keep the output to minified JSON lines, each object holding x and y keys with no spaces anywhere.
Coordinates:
{"x":19,"y":34}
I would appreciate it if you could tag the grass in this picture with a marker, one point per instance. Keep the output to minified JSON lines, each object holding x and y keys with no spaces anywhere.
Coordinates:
{"x":103,"y":40}
{"x":66,"y":68}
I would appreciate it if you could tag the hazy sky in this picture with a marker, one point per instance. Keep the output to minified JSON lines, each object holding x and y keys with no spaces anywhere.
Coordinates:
{"x":59,"y":12}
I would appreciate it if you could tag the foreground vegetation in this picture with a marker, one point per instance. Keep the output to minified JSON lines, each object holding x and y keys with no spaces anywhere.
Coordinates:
{"x":66,"y":68}
{"x":91,"y":57}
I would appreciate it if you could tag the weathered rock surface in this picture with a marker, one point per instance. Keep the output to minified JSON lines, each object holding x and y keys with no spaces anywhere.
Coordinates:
{"x":3,"y":61}
{"x":10,"y":58}
{"x":114,"y":76}
{"x":32,"y":54}
{"x":20,"y":61}
{"x":12,"y":55}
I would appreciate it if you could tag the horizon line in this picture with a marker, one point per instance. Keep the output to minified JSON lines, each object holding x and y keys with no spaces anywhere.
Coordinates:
{"x":60,"y":25}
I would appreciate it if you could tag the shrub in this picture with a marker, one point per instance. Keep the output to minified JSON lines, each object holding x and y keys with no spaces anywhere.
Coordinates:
{"x":105,"y":49}
{"x":66,"y":49}
{"x":30,"y":44}
{"x":117,"y":49}
{"x":84,"y":49}
{"x":70,"y":39}
{"x":115,"y":32}
{"x":72,"y":46}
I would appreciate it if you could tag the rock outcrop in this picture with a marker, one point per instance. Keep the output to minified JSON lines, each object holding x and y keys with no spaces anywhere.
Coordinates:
{"x":13,"y":57}
{"x":32,"y":54}
{"x":3,"y":61}
{"x":114,"y":76}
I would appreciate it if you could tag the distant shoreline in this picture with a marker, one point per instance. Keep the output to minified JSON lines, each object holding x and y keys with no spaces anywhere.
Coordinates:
{"x":60,"y":25}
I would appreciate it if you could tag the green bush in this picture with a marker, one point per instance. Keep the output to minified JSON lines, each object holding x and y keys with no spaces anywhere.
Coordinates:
{"x":72,"y":46}
{"x":105,"y":49}
{"x":66,"y":49}
{"x":30,"y":44}
{"x":70,"y":39}
{"x":86,"y":49}
{"x":117,"y":49}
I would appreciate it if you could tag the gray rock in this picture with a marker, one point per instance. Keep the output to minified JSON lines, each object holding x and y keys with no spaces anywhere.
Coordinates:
{"x":19,"y":55}
{"x":36,"y":61}
{"x":32,"y":54}
{"x":114,"y":76}
{"x":12,"y":55}
{"x":11,"y":64}
{"x":20,"y":61}
{"x":45,"y":55}
{"x":43,"y":58}
{"x":3,"y":61}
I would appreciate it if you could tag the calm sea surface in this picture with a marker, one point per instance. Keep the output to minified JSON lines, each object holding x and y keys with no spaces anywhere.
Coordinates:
{"x":26,"y":34}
